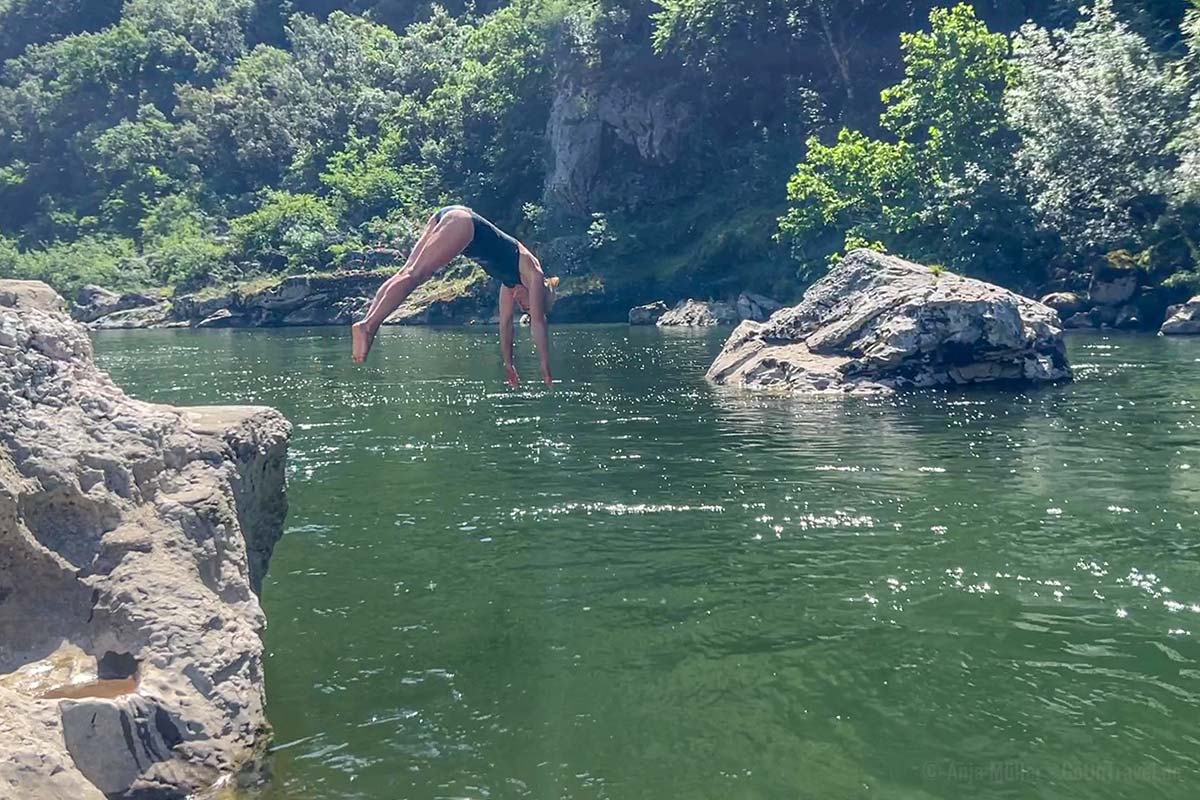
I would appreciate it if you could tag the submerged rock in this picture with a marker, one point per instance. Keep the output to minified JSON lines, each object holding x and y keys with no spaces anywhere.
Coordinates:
{"x":648,"y":314}
{"x":699,"y":314}
{"x":877,"y":323}
{"x":1183,"y":320}
{"x":133,"y":540}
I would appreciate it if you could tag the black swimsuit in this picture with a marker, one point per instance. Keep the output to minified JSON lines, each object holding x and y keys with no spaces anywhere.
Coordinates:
{"x":493,"y":249}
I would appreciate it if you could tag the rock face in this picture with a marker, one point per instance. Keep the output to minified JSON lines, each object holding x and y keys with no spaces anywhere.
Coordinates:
{"x":302,"y":300}
{"x":586,"y":122}
{"x":1065,"y":303}
{"x":1111,"y":288}
{"x":133,"y":540}
{"x":756,"y":307}
{"x":93,"y":302}
{"x":877,"y":323}
{"x":699,"y":314}
{"x":1183,"y":320}
{"x":648,"y":314}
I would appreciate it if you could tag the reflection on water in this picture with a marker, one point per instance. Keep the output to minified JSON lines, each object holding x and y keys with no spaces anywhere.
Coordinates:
{"x":641,"y":586}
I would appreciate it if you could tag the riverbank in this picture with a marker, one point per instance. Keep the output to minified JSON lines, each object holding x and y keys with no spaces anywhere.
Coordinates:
{"x":464,"y":295}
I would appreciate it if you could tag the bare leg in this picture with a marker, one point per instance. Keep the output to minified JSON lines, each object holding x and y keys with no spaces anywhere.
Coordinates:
{"x":422,"y":240}
{"x":448,"y":238}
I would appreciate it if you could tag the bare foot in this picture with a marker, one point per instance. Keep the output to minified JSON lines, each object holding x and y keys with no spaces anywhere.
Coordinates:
{"x":361,"y":340}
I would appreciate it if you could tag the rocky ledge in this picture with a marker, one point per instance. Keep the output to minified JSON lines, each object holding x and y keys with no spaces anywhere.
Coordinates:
{"x":133,"y":540}
{"x":877,"y":323}
{"x":704,"y":313}
{"x":1183,"y":320}
{"x":298,"y":300}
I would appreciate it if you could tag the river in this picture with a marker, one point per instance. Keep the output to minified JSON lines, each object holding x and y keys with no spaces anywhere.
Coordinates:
{"x":641,"y":586}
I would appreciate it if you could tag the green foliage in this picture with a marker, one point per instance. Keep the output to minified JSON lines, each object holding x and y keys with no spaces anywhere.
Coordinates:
{"x":1096,"y":111}
{"x":373,"y":181}
{"x":941,"y":191}
{"x":28,"y":22}
{"x":107,"y":261}
{"x":254,"y":122}
{"x":861,"y":187}
{"x":599,"y":234}
{"x":292,"y":231}
{"x":191,"y":142}
{"x":181,"y":244}
{"x":1184,"y":186}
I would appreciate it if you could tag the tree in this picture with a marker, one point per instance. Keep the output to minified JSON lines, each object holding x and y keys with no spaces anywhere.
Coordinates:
{"x":254,"y":123}
{"x":292,"y":231}
{"x":29,"y":22}
{"x":942,"y":191}
{"x":1096,"y":111}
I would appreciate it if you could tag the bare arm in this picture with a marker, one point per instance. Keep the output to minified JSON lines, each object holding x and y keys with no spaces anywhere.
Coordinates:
{"x":506,"y":335}
{"x":537,"y":320}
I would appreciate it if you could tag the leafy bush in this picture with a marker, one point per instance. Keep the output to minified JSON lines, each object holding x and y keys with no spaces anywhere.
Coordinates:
{"x":942,"y":191}
{"x":369,"y":182}
{"x":288,"y":231}
{"x":181,"y":245}
{"x":108,"y":261}
{"x":1096,"y":111}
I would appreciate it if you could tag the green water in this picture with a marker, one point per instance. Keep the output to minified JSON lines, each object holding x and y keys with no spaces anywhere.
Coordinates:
{"x":640,"y":586}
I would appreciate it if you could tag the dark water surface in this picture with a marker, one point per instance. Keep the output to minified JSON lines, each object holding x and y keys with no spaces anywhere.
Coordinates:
{"x":640,"y":586}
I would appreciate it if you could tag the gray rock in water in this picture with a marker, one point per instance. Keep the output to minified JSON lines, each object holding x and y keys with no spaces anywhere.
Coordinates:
{"x":648,"y":314}
{"x":877,"y":323}
{"x":221,"y":318}
{"x":1083,"y":320}
{"x":1065,"y":303}
{"x":133,"y":540}
{"x":140,"y":317}
{"x":756,"y":307}
{"x":95,"y":303}
{"x":1183,"y":320}
{"x":1113,"y":289}
{"x":699,"y":314}
{"x":1127,"y":317}
{"x":190,"y":308}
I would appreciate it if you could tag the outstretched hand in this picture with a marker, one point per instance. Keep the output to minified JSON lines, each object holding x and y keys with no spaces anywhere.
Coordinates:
{"x":514,"y":380}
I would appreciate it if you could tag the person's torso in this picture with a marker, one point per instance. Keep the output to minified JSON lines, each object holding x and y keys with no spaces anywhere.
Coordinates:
{"x":498,"y":253}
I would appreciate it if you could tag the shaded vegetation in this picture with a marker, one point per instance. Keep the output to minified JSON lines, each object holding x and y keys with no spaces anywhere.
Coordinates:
{"x":187,"y":144}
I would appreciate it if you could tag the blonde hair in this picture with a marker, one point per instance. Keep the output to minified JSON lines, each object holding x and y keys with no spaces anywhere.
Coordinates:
{"x":551,"y":291}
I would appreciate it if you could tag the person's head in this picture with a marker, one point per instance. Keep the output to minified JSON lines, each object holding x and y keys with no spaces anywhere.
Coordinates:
{"x":549,"y":286}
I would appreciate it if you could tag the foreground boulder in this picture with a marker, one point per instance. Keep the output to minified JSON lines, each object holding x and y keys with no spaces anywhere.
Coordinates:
{"x":699,"y":314}
{"x":877,"y":323}
{"x":1183,"y":320}
{"x":133,"y":540}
